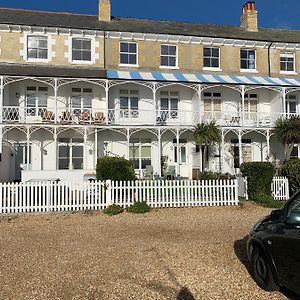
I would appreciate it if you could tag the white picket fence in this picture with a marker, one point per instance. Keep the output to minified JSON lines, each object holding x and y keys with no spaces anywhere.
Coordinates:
{"x":39,"y":197}
{"x":280,"y":188}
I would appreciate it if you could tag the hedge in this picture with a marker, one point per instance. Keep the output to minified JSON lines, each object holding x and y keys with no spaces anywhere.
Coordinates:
{"x":259,"y":177}
{"x":114,"y":168}
{"x":291,"y":169}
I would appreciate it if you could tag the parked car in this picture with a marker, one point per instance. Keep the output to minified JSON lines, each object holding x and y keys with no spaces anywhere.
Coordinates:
{"x":273,"y":248}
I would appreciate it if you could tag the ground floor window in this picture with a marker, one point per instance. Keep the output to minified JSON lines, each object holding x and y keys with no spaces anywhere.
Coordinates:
{"x":295,"y":152}
{"x":70,"y":154}
{"x":140,"y":153}
{"x":182,"y":151}
{"x":23,"y":158}
{"x":246,"y":152}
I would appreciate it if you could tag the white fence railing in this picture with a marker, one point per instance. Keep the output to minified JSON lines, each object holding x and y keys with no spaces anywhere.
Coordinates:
{"x":41,"y":197}
{"x":280,"y":188}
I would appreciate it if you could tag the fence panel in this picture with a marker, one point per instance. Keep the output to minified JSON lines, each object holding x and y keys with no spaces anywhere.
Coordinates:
{"x":280,"y":188}
{"x":39,"y":197}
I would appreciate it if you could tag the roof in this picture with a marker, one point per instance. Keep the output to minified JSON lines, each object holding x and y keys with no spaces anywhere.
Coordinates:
{"x":204,"y":78}
{"x":51,"y":71}
{"x":91,"y":22}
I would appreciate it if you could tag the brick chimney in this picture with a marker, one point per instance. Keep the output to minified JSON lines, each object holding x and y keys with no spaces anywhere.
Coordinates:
{"x":249,"y":17}
{"x":104,"y":10}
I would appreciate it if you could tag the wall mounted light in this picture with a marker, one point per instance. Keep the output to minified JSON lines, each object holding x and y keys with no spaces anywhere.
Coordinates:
{"x":18,"y":95}
{"x":45,"y":152}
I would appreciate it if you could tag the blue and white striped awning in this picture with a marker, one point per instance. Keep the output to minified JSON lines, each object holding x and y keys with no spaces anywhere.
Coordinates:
{"x":203,"y":78}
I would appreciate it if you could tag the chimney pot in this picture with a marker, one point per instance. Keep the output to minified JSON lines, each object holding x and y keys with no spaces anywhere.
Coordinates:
{"x":249,"y":20}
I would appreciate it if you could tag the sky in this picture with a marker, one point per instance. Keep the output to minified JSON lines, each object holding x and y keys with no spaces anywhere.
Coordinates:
{"x":272,"y":13}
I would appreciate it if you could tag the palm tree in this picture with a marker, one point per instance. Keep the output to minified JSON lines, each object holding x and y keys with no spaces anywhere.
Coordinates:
{"x":287,"y":131}
{"x":204,"y":136}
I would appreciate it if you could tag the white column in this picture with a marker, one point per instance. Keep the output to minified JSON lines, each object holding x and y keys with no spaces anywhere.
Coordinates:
{"x":96,"y":148}
{"x":85,"y":152}
{"x":28,"y":146}
{"x":284,"y":100}
{"x":106,"y":101}
{"x":240,"y":148}
{"x":268,"y":142}
{"x":1,"y":139}
{"x":1,"y":98}
{"x":55,"y":99}
{"x":56,"y":148}
{"x":222,"y":152}
{"x":159,"y":151}
{"x":128,"y":144}
{"x":243,"y":103}
{"x":178,"y":151}
{"x":155,"y":108}
{"x":199,"y":102}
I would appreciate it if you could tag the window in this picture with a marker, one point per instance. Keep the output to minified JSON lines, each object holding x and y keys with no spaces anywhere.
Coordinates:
{"x":81,"y":49}
{"x":128,"y":53}
{"x":250,"y":106}
{"x":169,"y":104}
{"x":212,"y":105}
{"x":81,"y":98}
{"x":295,"y":152}
{"x":36,"y":100}
{"x":140,"y":153}
{"x":168,"y":56}
{"x":37,"y":47}
{"x":293,"y":210}
{"x":21,"y":155}
{"x":287,"y":62}
{"x":70,"y":154}
{"x":182,"y":151}
{"x":248,"y":59}
{"x":211,"y":58}
{"x":129,"y":103}
{"x":291,"y":104}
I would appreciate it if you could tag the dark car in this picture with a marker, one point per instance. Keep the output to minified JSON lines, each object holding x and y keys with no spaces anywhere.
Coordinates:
{"x":273,"y":248}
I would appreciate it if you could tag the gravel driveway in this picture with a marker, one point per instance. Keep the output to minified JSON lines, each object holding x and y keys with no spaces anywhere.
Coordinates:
{"x":180,"y":254}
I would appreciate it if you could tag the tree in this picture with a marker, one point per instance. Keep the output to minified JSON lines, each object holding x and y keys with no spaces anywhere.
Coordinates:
{"x":204,"y":136}
{"x":287,"y":131}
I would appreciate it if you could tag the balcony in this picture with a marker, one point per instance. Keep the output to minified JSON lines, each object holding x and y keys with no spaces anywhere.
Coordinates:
{"x":127,"y":117}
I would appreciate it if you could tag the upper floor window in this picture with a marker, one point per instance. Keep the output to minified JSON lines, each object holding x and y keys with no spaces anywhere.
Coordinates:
{"x":248,"y":59}
{"x":128,"y":53}
{"x":81,"y":49}
{"x":37,"y":47}
{"x":212,"y":102}
{"x":169,"y":104}
{"x":291,"y":104}
{"x":250,"y":103}
{"x":129,"y":103}
{"x":211,"y":58}
{"x":81,"y":98}
{"x":287,"y":62}
{"x":168,"y":56}
{"x":36,"y":100}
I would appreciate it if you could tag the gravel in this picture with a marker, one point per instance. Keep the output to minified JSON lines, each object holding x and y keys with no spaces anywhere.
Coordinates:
{"x":180,"y":254}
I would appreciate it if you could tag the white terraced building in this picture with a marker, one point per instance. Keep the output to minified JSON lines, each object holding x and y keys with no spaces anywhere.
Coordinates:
{"x":78,"y":87}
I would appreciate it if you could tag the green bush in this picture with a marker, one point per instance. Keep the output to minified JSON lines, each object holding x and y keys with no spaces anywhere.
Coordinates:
{"x":113,"y":210}
{"x":214,"y":176}
{"x":114,"y":168}
{"x":267,"y":201}
{"x":291,"y":169}
{"x":259,"y":177}
{"x":139,"y":208}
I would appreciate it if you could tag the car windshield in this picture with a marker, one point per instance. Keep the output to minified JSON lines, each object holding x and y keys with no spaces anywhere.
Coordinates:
{"x":293,"y":209}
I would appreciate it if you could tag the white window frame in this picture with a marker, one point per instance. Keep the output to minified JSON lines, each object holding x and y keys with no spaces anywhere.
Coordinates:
{"x":213,"y":99}
{"x":176,"y":57}
{"x":290,"y":98}
{"x":50,"y":43}
{"x":79,"y":60}
{"x":136,"y":54}
{"x":37,"y":109}
{"x":248,"y":70}
{"x":138,"y":144}
{"x":170,"y":113}
{"x":212,"y":68}
{"x":81,"y":94}
{"x":286,"y":54}
{"x":93,"y":50}
{"x":129,"y":112}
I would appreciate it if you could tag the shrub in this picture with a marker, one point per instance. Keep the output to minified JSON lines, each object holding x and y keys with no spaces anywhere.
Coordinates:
{"x":267,"y":201}
{"x":259,"y":177}
{"x":291,"y":169}
{"x":114,"y":168}
{"x":139,"y":208}
{"x":214,"y":176}
{"x":113,"y":210}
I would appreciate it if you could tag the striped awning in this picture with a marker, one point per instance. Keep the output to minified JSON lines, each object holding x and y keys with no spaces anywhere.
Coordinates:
{"x":203,"y":78}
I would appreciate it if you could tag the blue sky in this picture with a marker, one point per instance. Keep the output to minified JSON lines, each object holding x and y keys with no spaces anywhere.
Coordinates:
{"x":272,"y":13}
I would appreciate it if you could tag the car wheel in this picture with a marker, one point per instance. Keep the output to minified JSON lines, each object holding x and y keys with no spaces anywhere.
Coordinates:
{"x":262,"y":272}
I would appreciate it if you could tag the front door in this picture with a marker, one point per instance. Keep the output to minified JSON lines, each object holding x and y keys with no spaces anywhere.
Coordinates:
{"x":183,"y":164}
{"x":21,"y":160}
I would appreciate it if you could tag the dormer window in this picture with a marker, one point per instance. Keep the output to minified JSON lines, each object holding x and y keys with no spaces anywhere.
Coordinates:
{"x":168,"y":56}
{"x":287,"y":62}
{"x":37,"y":47}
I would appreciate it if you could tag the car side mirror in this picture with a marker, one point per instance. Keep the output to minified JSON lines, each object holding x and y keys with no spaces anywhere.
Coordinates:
{"x":277,"y":215}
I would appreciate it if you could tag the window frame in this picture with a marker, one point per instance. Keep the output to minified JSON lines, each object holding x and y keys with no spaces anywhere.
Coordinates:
{"x":37,"y":109}
{"x":82,"y":93}
{"x":94,"y":56}
{"x":170,"y":114}
{"x":254,"y":70}
{"x":26,"y":48}
{"x":137,"y":145}
{"x":210,"y":57}
{"x":176,"y":57}
{"x":129,"y":112}
{"x":129,"y":53}
{"x":80,"y":61}
{"x":286,"y":53}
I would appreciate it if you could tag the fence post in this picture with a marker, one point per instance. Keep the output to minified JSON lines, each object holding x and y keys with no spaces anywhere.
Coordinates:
{"x":236,"y":191}
{"x":108,"y":191}
{"x":48,"y":192}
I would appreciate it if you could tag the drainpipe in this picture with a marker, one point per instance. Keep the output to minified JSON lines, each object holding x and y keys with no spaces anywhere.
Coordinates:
{"x":269,"y":58}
